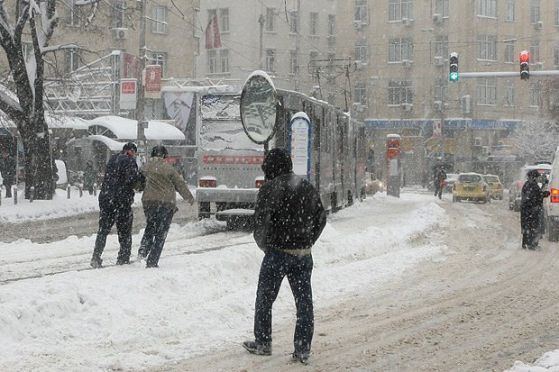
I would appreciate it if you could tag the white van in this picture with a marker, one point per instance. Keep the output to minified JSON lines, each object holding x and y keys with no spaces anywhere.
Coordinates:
{"x":551,"y":204}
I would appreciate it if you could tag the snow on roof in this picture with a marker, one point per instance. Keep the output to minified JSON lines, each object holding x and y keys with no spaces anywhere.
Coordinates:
{"x":66,"y":122}
{"x":126,"y":129}
{"x":109,"y":142}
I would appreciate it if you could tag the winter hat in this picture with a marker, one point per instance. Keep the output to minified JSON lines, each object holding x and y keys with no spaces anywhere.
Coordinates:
{"x":130,"y":146}
{"x":159,"y":151}
{"x":276,"y":163}
{"x":533,"y":174}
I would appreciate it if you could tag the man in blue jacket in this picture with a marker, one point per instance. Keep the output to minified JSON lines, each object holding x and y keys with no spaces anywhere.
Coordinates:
{"x":289,"y":218}
{"x":115,"y":203}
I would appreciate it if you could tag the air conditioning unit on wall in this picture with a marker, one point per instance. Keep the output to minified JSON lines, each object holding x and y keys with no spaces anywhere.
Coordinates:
{"x":407,"y":63}
{"x":407,"y":106}
{"x":407,"y":21}
{"x":120,"y":33}
{"x":437,"y":18}
{"x":439,"y":61}
{"x":438,"y":105}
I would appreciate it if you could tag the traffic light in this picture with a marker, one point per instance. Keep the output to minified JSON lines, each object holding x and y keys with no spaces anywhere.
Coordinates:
{"x":524,"y":65}
{"x":453,"y":75}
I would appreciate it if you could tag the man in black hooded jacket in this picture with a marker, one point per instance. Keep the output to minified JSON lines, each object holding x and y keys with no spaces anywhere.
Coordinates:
{"x":115,"y":203}
{"x":531,"y":209}
{"x":289,"y":218}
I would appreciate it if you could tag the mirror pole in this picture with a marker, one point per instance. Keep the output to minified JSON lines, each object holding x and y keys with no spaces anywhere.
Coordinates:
{"x":266,"y":148}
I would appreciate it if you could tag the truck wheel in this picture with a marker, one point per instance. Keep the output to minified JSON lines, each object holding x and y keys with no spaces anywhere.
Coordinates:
{"x":203,"y":210}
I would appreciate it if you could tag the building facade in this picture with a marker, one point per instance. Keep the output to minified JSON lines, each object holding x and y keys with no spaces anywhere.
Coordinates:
{"x":294,"y":41}
{"x":402,"y":47}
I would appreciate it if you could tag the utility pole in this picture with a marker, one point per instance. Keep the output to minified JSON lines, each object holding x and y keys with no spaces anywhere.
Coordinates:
{"x":140,"y":95}
{"x":298,"y":44}
{"x":261,"y":46}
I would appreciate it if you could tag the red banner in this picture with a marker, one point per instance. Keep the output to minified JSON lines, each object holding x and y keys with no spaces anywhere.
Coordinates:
{"x":153,"y":81}
{"x":219,"y":159}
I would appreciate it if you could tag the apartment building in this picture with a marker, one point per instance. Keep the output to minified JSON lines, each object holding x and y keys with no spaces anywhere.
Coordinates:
{"x":401,"y":49}
{"x":294,"y":41}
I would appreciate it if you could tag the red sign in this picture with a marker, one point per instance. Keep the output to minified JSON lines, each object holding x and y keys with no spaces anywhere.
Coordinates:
{"x":128,"y":87}
{"x":153,"y":80}
{"x":220,"y":159}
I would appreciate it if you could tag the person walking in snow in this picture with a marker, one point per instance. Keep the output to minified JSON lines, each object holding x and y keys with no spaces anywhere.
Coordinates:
{"x":531,"y":206}
{"x":89,"y":176}
{"x":438,"y":180}
{"x":8,"y":171}
{"x":289,"y":218}
{"x":159,"y":201}
{"x":115,"y":203}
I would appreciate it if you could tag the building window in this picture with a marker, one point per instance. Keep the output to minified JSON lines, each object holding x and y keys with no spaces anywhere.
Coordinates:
{"x":534,"y":51}
{"x":330,"y":67}
{"x":441,"y":46}
{"x":270,"y":19}
{"x":556,"y":13}
{"x":73,"y":14}
{"x":487,"y":8}
{"x":360,"y":93}
{"x":212,"y":61}
{"x":360,"y":13}
{"x":72,"y":60}
{"x":510,"y":15}
{"x":440,"y":89}
{"x":331,"y":25}
{"x":556,"y":55}
{"x":313,"y":29}
{"x":270,"y":60}
{"x":361,"y":51}
{"x":160,"y":58}
{"x":400,"y":49}
{"x":398,"y":9}
{"x":509,"y":93}
{"x":509,"y":51}
{"x":119,"y":14}
{"x":487,"y":47}
{"x":535,"y":15}
{"x":224,"y":58}
{"x":159,"y":20}
{"x":487,"y":91}
{"x":535,"y":94}
{"x":293,"y":22}
{"x":313,"y":56}
{"x":400,"y":92}
{"x":441,"y":7}
{"x":224,"y":20}
{"x":293,"y":62}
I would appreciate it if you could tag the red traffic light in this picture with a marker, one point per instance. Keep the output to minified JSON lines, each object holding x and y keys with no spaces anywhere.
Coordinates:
{"x":524,"y":57}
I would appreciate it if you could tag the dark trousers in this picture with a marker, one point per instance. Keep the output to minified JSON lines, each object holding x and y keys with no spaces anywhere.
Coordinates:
{"x":530,"y":219}
{"x":8,"y":190}
{"x":123,"y":216}
{"x":275,"y":266}
{"x":158,"y":221}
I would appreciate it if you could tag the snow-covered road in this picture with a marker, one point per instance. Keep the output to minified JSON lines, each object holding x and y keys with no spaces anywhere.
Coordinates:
{"x":397,"y":286}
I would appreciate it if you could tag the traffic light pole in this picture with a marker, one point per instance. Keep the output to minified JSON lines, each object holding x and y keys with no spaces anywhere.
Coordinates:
{"x":501,"y":74}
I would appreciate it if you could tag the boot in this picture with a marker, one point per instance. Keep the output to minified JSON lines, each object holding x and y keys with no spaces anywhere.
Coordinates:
{"x":96,"y":262}
{"x":301,"y":356}
{"x":254,"y":347}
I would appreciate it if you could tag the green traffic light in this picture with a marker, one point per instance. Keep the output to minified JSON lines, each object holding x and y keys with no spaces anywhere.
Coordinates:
{"x":453,"y":76}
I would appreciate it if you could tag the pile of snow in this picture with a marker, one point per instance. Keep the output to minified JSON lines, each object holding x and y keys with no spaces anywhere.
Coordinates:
{"x":549,"y":362}
{"x":130,"y":318}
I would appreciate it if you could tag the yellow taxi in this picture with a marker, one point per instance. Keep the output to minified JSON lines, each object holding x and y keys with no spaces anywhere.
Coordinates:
{"x":495,"y":186}
{"x":470,"y":186}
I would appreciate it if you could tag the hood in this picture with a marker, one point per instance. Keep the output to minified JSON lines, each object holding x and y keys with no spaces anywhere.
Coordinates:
{"x":276,"y":163}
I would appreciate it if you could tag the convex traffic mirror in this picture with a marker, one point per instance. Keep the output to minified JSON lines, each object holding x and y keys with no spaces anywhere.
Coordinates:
{"x":258,"y":107}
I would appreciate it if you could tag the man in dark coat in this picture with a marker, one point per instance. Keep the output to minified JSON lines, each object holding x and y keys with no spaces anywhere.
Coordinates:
{"x":115,"y":203}
{"x":289,"y":218}
{"x":438,"y":180}
{"x":531,"y":207}
{"x":8,"y":170}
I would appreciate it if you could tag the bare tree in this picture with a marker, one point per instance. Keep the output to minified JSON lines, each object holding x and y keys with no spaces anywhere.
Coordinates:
{"x":536,"y":140}
{"x":38,"y":17}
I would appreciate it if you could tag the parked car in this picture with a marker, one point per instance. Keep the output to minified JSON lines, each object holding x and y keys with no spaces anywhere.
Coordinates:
{"x":373,"y":185}
{"x":470,"y":186}
{"x":495,"y":186}
{"x":515,"y":189}
{"x":551,"y":204}
{"x":450,"y":180}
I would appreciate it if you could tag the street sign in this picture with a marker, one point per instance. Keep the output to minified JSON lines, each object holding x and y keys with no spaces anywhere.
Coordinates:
{"x":128,"y":92}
